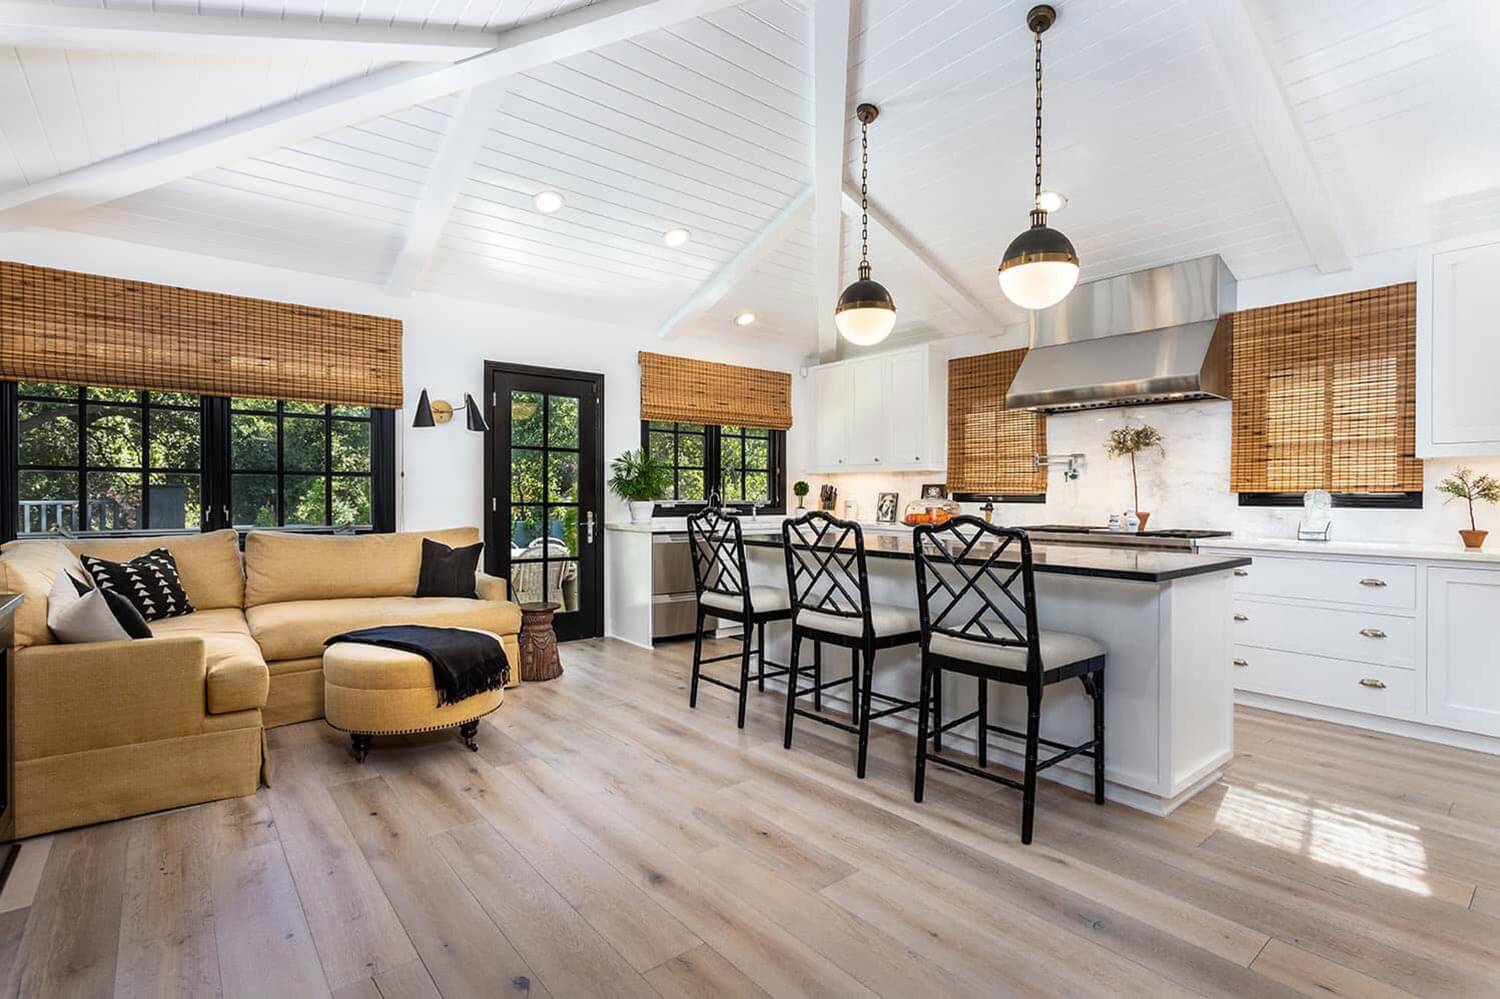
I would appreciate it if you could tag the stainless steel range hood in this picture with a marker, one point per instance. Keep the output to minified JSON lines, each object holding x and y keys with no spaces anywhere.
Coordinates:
{"x":1154,"y":336}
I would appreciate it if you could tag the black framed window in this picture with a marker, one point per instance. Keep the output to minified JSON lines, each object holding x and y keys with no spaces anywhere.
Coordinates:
{"x":743,"y":465}
{"x":106,"y":460}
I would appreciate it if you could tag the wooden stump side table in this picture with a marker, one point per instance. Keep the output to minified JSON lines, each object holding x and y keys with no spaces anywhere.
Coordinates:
{"x":539,"y":659}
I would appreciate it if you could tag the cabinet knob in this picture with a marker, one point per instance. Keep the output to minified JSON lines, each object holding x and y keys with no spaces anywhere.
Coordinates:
{"x":1240,"y":617}
{"x":1372,"y":683}
{"x":1240,"y":662}
{"x":1372,"y":633}
{"x":1242,"y":572}
{"x":1371,"y":581}
{"x":877,"y":459}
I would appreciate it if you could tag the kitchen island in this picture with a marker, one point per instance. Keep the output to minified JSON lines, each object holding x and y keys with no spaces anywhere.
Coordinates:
{"x":1164,"y":618}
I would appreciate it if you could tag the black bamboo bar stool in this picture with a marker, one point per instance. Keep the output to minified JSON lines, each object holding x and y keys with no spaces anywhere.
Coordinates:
{"x":722,"y":580}
{"x":975,"y":622}
{"x":830,"y":598}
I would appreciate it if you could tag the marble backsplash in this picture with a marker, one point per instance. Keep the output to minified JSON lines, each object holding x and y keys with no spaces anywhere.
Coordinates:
{"x":1188,"y":488}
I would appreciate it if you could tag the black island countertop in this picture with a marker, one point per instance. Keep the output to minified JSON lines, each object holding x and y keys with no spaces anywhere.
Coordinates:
{"x":1133,"y":565}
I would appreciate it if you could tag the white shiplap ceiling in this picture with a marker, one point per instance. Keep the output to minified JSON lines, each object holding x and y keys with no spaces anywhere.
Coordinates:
{"x":1277,"y":133}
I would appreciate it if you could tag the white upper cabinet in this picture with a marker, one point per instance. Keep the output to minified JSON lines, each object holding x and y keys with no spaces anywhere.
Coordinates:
{"x":1458,"y":353}
{"x":882,"y":411}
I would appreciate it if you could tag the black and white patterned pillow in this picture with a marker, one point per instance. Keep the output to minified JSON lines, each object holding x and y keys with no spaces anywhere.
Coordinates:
{"x":148,"y":581}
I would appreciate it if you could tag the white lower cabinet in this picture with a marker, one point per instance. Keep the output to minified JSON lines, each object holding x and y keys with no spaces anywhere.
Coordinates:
{"x":1463,"y":648}
{"x":1408,"y":645}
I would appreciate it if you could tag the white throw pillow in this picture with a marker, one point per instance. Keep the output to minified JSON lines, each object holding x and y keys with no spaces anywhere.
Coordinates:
{"x":86,"y":618}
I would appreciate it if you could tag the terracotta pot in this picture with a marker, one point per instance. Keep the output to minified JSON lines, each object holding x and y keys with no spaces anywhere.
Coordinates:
{"x":1144,"y":517}
{"x":1474,"y":540}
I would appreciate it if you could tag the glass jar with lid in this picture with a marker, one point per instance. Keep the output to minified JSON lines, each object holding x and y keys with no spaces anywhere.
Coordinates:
{"x":930,"y":510}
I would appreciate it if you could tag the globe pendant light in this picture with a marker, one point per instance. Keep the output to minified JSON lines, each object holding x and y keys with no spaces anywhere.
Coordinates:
{"x":866,"y":314}
{"x":1040,"y":265}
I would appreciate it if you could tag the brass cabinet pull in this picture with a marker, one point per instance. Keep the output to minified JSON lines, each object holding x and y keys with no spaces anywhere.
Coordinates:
{"x":1373,"y":683}
{"x":1240,"y":662}
{"x":1372,"y":633}
{"x":1240,"y":617}
{"x":1242,"y":572}
{"x":1371,"y":581}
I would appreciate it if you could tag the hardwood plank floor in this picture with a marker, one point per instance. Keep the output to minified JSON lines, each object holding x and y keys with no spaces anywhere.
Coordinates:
{"x":607,"y":841}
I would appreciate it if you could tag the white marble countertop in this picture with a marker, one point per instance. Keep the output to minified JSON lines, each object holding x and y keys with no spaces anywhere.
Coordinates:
{"x":1432,"y":550}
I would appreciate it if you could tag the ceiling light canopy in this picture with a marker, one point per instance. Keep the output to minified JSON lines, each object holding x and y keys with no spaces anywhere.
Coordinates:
{"x":547,"y":202}
{"x":744,"y":319}
{"x":676,"y":236}
{"x":866,"y":313}
{"x":1040,"y":266}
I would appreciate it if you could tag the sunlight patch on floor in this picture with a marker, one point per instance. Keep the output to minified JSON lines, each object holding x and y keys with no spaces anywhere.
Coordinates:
{"x":1365,"y":843}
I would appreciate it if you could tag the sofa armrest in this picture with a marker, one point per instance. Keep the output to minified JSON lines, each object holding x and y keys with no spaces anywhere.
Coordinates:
{"x":487,"y":587}
{"x":72,"y":698}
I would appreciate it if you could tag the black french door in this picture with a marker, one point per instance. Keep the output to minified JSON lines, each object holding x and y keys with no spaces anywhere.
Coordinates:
{"x":544,"y":476}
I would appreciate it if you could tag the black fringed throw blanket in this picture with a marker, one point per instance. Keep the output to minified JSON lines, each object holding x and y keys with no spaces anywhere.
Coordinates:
{"x":464,"y":663}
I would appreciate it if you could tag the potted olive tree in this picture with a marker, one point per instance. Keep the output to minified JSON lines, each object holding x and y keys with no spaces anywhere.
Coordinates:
{"x":801,"y":489}
{"x":1128,"y":442}
{"x":640,"y":480}
{"x":1465,"y":485}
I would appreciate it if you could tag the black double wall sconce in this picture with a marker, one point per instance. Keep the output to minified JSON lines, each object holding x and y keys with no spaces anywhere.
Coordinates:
{"x":436,"y":411}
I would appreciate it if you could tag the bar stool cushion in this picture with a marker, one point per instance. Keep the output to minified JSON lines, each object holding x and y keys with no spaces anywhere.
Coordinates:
{"x":888,"y":619}
{"x":762,"y":598}
{"x":1058,"y":648}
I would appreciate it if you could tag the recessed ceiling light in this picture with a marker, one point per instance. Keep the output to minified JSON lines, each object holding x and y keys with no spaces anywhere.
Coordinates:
{"x":548,"y":202}
{"x":744,"y":319}
{"x":1051,"y":201}
{"x":676,"y":237}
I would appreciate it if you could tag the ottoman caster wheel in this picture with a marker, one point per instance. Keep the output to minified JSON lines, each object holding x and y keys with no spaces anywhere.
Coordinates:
{"x":361,"y":746}
{"x":467,"y":731}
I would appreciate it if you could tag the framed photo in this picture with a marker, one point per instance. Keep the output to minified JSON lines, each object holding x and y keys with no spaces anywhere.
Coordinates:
{"x":885,"y":507}
{"x":935,"y":490}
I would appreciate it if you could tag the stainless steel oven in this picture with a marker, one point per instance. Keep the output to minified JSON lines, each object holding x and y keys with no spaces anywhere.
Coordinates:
{"x":674,"y":601}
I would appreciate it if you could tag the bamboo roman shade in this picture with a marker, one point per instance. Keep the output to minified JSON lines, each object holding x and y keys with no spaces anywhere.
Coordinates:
{"x":991,"y":449}
{"x":83,"y":329}
{"x":682,"y":390}
{"x":1325,"y":395}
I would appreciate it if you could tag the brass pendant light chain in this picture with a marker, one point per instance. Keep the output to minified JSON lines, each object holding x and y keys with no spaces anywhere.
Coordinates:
{"x":864,"y":200}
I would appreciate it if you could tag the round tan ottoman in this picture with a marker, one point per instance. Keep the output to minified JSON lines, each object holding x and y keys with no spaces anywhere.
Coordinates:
{"x":369,"y":690}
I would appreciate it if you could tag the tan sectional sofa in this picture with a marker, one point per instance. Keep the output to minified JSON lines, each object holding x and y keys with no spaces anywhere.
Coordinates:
{"x":109,"y":729}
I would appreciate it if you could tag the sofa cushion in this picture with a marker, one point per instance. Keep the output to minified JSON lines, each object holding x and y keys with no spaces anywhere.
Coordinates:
{"x":148,"y":581}
{"x":237,"y":673}
{"x":298,"y":628}
{"x":283,"y":566}
{"x":208,"y":564}
{"x":30,"y":568}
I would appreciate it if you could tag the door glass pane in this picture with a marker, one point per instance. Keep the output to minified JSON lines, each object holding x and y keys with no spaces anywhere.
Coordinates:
{"x":253,"y":500}
{"x":562,"y":531}
{"x":302,"y":447}
{"x":114,"y":436}
{"x":525,"y":476}
{"x":525,"y":532}
{"x":114,"y":501}
{"x":48,"y":501}
{"x":563,"y":580}
{"x":303,"y":499}
{"x":176,"y":438}
{"x":562,"y":421}
{"x":351,"y":499}
{"x":176,"y":502}
{"x":526,"y":418}
{"x":49,"y":433}
{"x":562,"y":476}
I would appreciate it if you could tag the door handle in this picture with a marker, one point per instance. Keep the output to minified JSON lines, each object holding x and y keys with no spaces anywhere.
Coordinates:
{"x":588,"y":522}
{"x":1372,"y":683}
{"x":1372,"y":633}
{"x":1372,"y":581}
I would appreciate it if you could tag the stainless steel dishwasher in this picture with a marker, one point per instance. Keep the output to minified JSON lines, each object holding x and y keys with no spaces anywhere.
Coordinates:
{"x":674,"y":601}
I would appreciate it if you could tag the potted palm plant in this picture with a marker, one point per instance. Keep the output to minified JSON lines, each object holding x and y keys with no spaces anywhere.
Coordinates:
{"x":1128,"y":442}
{"x":640,"y":480}
{"x":1465,"y":485}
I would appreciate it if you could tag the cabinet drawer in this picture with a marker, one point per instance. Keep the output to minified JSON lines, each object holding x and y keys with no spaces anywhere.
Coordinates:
{"x":1367,"y":687}
{"x":1363,"y":636}
{"x":1368,"y":584}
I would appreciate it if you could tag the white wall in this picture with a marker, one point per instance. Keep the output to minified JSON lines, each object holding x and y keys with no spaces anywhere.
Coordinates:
{"x":1190,"y":487}
{"x":446,"y":342}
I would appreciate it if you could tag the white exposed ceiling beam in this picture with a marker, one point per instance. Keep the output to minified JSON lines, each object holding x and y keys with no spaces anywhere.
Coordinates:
{"x":466,"y":130}
{"x":1259,"y":96}
{"x":925,"y":266}
{"x":766,"y":239}
{"x":48,"y":26}
{"x":831,"y":114}
{"x":580,"y":30}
